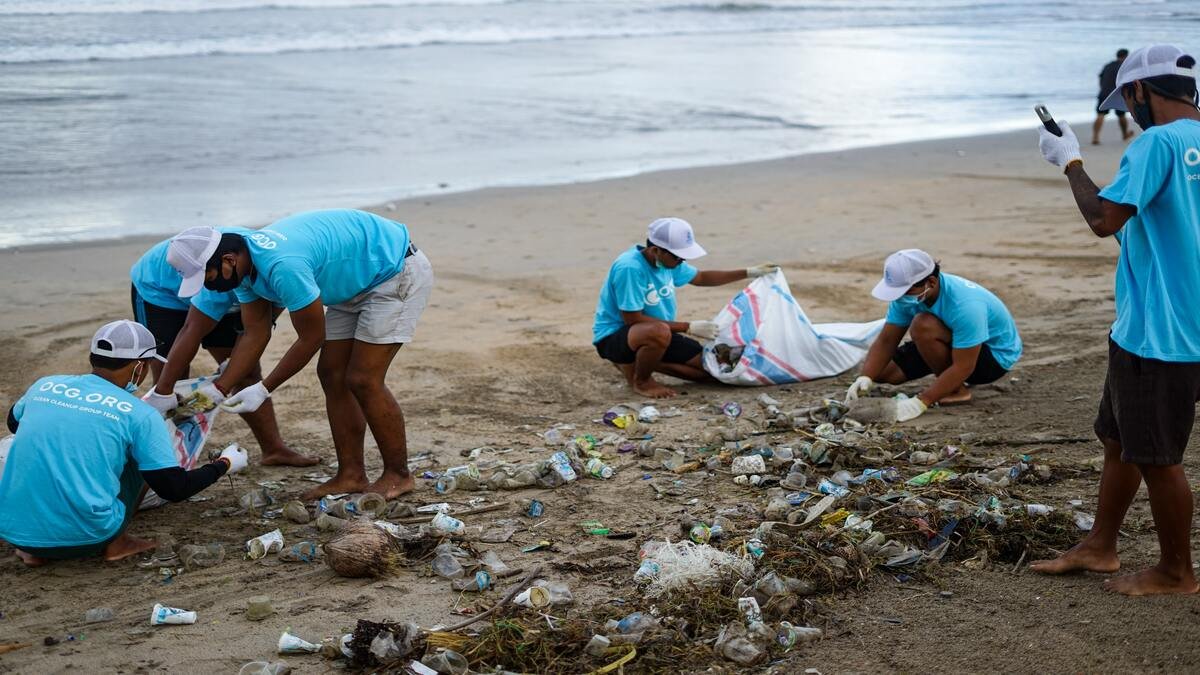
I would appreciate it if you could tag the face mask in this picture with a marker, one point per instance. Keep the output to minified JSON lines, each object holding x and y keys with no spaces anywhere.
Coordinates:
{"x":914,"y":300}
{"x":132,"y":385}
{"x":223,"y":284}
{"x":1142,"y":115}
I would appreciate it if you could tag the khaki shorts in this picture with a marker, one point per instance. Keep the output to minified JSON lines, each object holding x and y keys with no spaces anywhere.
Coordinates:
{"x":388,"y":313}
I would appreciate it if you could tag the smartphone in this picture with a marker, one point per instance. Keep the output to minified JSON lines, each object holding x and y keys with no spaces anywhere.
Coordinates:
{"x":1047,"y":120}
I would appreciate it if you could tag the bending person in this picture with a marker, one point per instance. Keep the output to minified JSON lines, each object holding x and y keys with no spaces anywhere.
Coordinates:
{"x":959,"y":330}
{"x":354,"y":286}
{"x":635,"y":326}
{"x":212,"y":320}
{"x":85,"y":447}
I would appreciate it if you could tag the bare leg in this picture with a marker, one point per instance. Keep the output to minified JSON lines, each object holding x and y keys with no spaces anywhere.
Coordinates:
{"x":365,"y":377}
{"x":892,"y":374}
{"x":346,"y":421}
{"x":934,"y":341}
{"x":1125,"y":132}
{"x":1096,"y":126}
{"x":263,"y":425}
{"x":30,"y":560}
{"x":649,"y":340}
{"x":125,"y":546}
{"x":693,"y":370}
{"x":1098,"y":551}
{"x":1171,"y":504}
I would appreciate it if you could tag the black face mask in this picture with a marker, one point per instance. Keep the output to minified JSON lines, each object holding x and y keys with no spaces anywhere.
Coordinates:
{"x":1142,"y":115}
{"x":224,"y":284}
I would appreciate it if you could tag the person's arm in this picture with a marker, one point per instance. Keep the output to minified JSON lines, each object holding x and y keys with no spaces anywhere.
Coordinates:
{"x":632,"y":318}
{"x":187,"y":343}
{"x":175,"y":484}
{"x":718,"y":277}
{"x":1104,"y":217}
{"x":309,"y":323}
{"x":882,"y":350}
{"x":962,"y":364}
{"x":256,"y":333}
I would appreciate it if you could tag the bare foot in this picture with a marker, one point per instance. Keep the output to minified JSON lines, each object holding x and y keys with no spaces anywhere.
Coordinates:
{"x":31,"y":560}
{"x":1081,"y":558}
{"x":960,"y":396}
{"x":1152,"y":581}
{"x":336,"y":486}
{"x":285,"y":456}
{"x":126,"y":545}
{"x":652,"y":389}
{"x":1128,"y":135}
{"x":1095,"y":142}
{"x":392,"y":485}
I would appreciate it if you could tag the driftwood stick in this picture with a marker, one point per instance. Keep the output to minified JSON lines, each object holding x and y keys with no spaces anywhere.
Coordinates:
{"x":512,"y":593}
{"x":416,"y":520}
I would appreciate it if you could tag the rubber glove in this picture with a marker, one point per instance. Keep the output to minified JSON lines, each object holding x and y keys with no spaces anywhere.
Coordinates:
{"x":1059,"y":150}
{"x":910,"y":409}
{"x":247,"y":400}
{"x":761,"y":270}
{"x":236,"y":457}
{"x":705,"y":330}
{"x":163,"y":403}
{"x":861,"y":386}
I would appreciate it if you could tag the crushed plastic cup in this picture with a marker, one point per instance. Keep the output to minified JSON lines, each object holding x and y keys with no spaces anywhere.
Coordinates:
{"x":330,"y":523}
{"x":261,"y":545}
{"x":445,"y":524}
{"x":98,"y":615}
{"x":296,"y":512}
{"x":597,"y":646}
{"x":828,"y":487}
{"x":305,"y":551}
{"x":447,"y":662}
{"x":598,"y":469}
{"x":368,"y":504}
{"x":291,"y":644}
{"x":258,"y":607}
{"x":536,"y":597}
{"x":256,"y":499}
{"x":649,"y":414}
{"x":1038,"y":509}
{"x":788,"y":635}
{"x":265,"y":668}
{"x":162,"y":615}
{"x":195,"y":557}
{"x":446,"y":484}
{"x":447,"y":566}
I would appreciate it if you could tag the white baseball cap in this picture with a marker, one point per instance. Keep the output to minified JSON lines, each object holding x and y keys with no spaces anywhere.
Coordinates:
{"x":675,"y":235}
{"x":901,"y":270}
{"x":1143,"y":63}
{"x":125,"y":339}
{"x":188,"y":253}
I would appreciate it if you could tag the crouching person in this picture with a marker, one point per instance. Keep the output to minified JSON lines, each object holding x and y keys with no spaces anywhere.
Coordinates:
{"x":84,"y":450}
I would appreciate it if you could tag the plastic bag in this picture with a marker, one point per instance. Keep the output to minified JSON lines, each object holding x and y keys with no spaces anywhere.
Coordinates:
{"x":765,"y":338}
{"x":188,"y":436}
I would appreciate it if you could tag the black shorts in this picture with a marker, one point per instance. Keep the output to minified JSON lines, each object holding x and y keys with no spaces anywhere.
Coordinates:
{"x":1148,"y":406}
{"x":616,"y":348}
{"x":1120,"y":113}
{"x":165,"y":323}
{"x":987,"y":370}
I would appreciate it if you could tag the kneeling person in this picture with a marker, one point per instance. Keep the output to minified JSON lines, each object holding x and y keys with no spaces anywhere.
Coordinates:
{"x":82,"y":448}
{"x":635,"y":326}
{"x":959,"y":331}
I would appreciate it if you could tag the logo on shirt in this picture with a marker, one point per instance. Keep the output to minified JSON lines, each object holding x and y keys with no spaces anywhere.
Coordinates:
{"x":1191,"y":156}
{"x":95,"y":398}
{"x":264,"y":241}
{"x":656,"y":295}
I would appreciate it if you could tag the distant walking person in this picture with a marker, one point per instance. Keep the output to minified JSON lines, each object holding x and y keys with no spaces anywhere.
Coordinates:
{"x":1108,"y":82}
{"x":1152,"y":207}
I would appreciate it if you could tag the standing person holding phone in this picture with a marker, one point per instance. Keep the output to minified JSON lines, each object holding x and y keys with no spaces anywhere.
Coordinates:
{"x":1152,"y":208}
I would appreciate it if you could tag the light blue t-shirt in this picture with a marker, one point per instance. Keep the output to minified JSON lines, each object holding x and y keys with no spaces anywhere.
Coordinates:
{"x":332,"y":255}
{"x":158,"y":283}
{"x":63,"y":474}
{"x":973,"y":314}
{"x":1158,"y":270}
{"x":634,"y":285}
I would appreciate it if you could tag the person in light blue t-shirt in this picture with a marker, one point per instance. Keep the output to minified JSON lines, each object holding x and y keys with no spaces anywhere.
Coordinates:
{"x":960,"y":331}
{"x":83,"y":451}
{"x":354,"y":285}
{"x":635,"y":326}
{"x":1148,"y":408}
{"x":212,"y":320}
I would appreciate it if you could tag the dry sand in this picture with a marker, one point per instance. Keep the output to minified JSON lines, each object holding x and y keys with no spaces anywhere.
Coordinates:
{"x":503,"y":353}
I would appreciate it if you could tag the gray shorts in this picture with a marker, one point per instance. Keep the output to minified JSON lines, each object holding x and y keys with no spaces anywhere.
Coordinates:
{"x":388,"y":313}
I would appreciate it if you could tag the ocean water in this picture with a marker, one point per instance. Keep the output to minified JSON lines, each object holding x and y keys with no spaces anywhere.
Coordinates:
{"x":125,"y":117}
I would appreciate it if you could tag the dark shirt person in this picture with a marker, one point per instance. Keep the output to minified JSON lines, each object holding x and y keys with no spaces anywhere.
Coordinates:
{"x":1108,"y":83}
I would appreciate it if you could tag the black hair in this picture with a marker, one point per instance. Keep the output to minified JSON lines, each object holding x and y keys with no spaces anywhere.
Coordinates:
{"x":1177,"y":87}
{"x":108,"y":362}
{"x":230,"y":243}
{"x":937,"y":269}
{"x":1122,"y":53}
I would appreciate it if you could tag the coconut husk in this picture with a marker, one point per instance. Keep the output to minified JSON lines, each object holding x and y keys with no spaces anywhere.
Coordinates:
{"x":363,"y":550}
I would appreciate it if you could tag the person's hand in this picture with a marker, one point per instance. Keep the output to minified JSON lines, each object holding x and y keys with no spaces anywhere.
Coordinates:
{"x":247,"y":400}
{"x":861,"y":386}
{"x":236,"y":457}
{"x":163,"y":403}
{"x":910,"y":409}
{"x":761,"y":270}
{"x":705,"y":330}
{"x":1059,"y":150}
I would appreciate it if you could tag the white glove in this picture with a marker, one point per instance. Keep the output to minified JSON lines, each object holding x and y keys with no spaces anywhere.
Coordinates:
{"x":247,"y":400}
{"x":705,"y":330}
{"x":163,"y":403}
{"x":761,"y":270}
{"x":237,"y":458}
{"x":861,"y":386}
{"x":1059,"y":150}
{"x":910,"y":409}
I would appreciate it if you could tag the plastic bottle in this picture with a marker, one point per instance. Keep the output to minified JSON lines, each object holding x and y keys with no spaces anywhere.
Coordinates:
{"x":445,"y":524}
{"x":446,"y":484}
{"x":598,"y":469}
{"x":789,"y":635}
{"x":562,"y":465}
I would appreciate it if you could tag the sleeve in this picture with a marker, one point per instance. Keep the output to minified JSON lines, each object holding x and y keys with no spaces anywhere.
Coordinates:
{"x":684,"y":273}
{"x":152,"y":448}
{"x":898,"y":315}
{"x":175,"y":485}
{"x":627,"y":288}
{"x":1144,"y":170}
{"x":18,"y":409}
{"x":970,"y":325}
{"x":244,"y":294}
{"x":214,"y":305}
{"x":294,"y":283}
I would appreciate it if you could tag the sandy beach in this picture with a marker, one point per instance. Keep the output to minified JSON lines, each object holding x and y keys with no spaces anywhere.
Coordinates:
{"x":503,"y":353}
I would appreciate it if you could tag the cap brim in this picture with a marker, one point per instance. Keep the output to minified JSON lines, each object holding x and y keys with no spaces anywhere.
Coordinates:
{"x":191,"y":285}
{"x":883,"y":291}
{"x":690,"y":253}
{"x":1114,"y":101}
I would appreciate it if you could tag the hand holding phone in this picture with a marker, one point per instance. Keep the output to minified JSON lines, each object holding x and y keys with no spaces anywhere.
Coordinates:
{"x":1047,"y":120}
